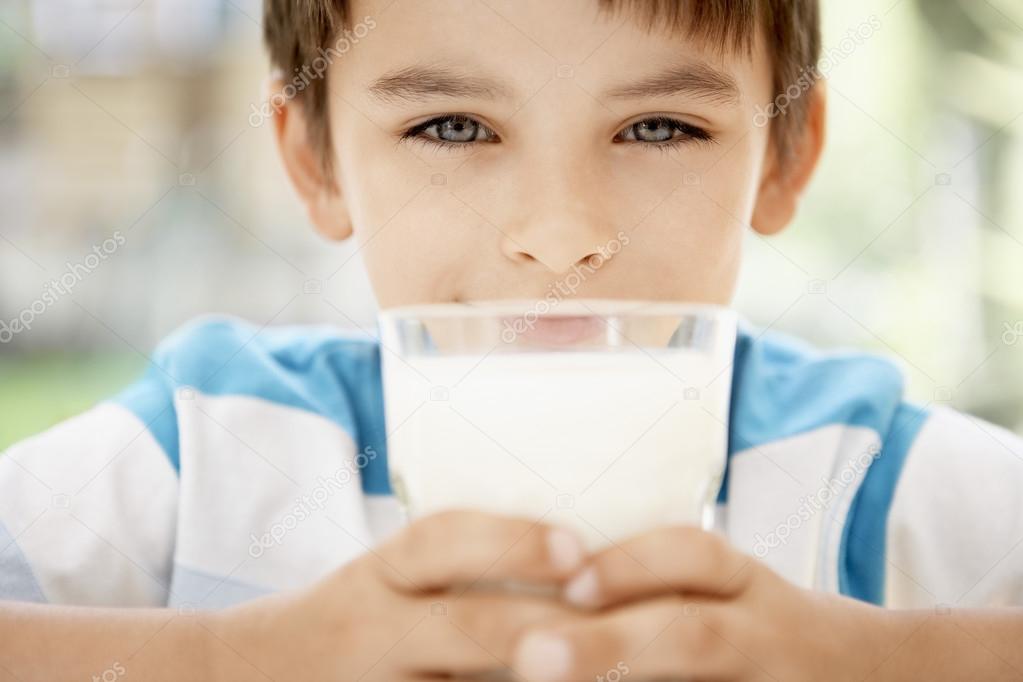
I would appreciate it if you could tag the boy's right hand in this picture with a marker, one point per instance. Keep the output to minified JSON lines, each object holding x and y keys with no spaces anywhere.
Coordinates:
{"x":416,"y":607}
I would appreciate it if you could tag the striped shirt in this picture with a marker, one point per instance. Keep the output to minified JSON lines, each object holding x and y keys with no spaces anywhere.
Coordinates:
{"x":251,"y":460}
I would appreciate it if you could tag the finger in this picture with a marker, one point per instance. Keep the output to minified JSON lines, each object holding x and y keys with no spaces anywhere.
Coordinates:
{"x":473,"y":634}
{"x":657,"y":639}
{"x":460,"y":548}
{"x":678,"y":559}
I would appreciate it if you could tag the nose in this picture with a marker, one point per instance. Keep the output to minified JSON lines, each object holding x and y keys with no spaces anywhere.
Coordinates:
{"x":561,"y":223}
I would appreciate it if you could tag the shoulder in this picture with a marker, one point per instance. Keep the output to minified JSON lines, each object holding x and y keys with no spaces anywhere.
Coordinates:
{"x":783,"y":387}
{"x":320,"y":370}
{"x":955,"y":527}
{"x":212,"y":352}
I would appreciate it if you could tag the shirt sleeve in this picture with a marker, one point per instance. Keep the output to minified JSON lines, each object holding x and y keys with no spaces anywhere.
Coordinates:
{"x":88,"y":508}
{"x":955,"y":526}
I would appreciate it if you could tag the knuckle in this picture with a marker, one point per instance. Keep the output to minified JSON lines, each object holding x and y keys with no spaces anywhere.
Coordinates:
{"x":683,"y":541}
{"x":698,"y":639}
{"x":696,"y":538}
{"x":708,"y":547}
{"x":467,"y":618}
{"x":688,"y":635}
{"x":442,"y":522}
{"x":435,"y":529}
{"x":600,"y":645}
{"x":413,"y":552}
{"x":414,"y":544}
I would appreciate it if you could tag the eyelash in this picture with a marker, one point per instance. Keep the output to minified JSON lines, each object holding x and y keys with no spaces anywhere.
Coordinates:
{"x":690,"y":134}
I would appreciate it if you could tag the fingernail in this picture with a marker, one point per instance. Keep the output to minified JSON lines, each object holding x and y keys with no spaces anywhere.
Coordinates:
{"x":584,"y":589}
{"x":565,"y":549}
{"x":543,"y":657}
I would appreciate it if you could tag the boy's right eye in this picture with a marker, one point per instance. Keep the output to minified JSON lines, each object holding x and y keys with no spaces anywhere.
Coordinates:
{"x":454,"y":130}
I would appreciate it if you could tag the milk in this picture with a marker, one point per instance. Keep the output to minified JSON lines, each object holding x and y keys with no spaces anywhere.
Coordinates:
{"x":609,"y":443}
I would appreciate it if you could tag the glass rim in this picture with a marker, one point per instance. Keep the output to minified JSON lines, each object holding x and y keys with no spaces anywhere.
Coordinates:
{"x":502,"y":308}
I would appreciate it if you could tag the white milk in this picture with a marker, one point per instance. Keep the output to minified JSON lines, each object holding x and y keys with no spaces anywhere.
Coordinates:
{"x":607,"y":443}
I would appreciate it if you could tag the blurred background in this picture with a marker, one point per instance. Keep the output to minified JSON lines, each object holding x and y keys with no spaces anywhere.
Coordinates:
{"x":130,"y":169}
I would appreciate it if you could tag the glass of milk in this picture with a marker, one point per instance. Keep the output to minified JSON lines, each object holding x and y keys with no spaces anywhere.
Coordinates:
{"x":609,"y":417}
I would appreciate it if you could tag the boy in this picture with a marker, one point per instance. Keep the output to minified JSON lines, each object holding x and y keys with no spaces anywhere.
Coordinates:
{"x":480,"y":149}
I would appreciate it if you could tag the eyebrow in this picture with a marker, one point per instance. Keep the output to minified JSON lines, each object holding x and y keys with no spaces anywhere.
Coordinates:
{"x":421,"y":83}
{"x":694,"y":79}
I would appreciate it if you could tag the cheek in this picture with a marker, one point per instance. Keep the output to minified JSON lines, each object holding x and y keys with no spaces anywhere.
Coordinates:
{"x":688,"y":249}
{"x":420,"y":251}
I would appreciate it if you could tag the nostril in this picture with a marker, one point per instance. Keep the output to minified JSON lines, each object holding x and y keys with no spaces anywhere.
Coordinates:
{"x":524,"y":257}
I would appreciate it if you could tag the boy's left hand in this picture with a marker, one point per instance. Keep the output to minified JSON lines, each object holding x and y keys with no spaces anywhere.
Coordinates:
{"x":682,"y":603}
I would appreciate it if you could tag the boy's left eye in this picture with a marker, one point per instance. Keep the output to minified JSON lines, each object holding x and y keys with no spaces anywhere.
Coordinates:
{"x":662,"y":130}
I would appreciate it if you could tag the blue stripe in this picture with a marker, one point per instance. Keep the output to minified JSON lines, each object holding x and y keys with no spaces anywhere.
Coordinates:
{"x":315,"y":369}
{"x":362,"y":372}
{"x":17,"y":580}
{"x":202,"y":590}
{"x":782,"y":387}
{"x":151,"y":400}
{"x":862,"y":553}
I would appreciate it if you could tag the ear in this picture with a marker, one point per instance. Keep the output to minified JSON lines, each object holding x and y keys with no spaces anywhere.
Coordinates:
{"x":782,"y":185}
{"x":319,"y":192}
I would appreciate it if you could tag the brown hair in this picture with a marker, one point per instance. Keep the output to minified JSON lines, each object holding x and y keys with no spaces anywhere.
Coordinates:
{"x":297,"y":32}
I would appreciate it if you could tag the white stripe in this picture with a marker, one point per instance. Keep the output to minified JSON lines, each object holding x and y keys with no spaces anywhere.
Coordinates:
{"x":787,"y":500}
{"x":385,"y":516}
{"x":92,"y":504}
{"x":270,"y":495}
{"x":955,"y":531}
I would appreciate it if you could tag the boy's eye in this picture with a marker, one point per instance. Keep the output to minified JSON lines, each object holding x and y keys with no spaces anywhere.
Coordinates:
{"x":662,"y":130}
{"x":455,"y":129}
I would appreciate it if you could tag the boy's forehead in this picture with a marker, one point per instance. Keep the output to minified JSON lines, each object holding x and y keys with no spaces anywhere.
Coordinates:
{"x":512,"y":47}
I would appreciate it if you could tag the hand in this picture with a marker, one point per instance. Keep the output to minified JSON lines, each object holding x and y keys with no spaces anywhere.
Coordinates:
{"x":406,"y":611}
{"x":681,"y":603}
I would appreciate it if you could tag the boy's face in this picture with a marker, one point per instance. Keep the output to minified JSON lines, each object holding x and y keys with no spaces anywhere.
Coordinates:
{"x":489,"y":149}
